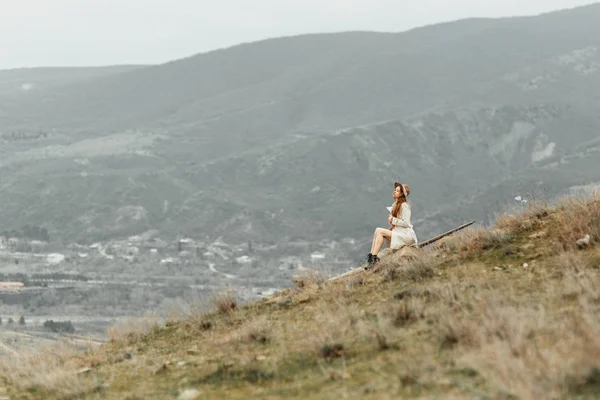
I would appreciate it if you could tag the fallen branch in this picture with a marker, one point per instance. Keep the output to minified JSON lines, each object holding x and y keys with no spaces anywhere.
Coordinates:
{"x":443,"y":235}
{"x":420,"y":245}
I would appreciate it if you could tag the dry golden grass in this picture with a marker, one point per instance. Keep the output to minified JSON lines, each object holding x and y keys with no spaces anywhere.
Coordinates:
{"x":412,"y":265}
{"x":509,"y":312}
{"x":473,"y":241}
{"x":525,"y":221}
{"x":226,"y":302}
{"x":578,"y":216}
{"x":132,"y":327}
{"x":309,"y":277}
{"x":546,"y":349}
{"x":60,"y":370}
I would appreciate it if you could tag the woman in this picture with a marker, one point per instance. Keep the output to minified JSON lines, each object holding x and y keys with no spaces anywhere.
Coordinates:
{"x":401,"y":232}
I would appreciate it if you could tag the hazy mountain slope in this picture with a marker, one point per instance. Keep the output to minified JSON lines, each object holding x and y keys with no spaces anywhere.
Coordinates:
{"x":16,"y":81}
{"x":448,"y":159}
{"x":317,"y":126}
{"x":325,"y":81}
{"x":22,"y":88}
{"x":460,"y":166}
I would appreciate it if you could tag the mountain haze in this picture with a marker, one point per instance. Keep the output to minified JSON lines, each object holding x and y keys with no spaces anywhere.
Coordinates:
{"x":12,"y":80}
{"x":302,"y":137}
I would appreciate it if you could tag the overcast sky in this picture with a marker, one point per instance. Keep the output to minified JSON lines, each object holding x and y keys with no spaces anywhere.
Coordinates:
{"x":108,"y":32}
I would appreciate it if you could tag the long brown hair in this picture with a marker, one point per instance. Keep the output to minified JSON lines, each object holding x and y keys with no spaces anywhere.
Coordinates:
{"x":397,"y":206}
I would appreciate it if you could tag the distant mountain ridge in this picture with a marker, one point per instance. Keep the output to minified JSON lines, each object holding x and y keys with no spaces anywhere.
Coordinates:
{"x":467,"y":113}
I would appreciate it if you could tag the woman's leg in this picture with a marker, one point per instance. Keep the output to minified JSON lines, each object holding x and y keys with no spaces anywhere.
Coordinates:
{"x":375,"y":234}
{"x":378,"y":237}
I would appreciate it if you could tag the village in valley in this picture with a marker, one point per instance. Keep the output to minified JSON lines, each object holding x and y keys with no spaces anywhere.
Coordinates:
{"x":50,"y":290}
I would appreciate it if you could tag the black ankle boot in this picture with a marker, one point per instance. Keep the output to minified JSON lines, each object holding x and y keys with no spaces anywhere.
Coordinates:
{"x":370,"y":259}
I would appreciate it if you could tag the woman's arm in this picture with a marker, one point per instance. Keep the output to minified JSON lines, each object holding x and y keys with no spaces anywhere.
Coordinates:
{"x":403,"y":219}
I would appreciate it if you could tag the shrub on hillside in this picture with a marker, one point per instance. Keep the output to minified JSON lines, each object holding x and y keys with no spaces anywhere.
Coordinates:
{"x":59,"y":326}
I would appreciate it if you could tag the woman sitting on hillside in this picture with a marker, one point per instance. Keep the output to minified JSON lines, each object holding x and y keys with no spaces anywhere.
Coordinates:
{"x":401,"y":231}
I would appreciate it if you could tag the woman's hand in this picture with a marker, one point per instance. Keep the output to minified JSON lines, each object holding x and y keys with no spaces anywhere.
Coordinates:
{"x":390,"y":219}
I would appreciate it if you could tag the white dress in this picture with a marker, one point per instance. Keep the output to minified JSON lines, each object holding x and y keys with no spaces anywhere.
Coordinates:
{"x":403,"y":233}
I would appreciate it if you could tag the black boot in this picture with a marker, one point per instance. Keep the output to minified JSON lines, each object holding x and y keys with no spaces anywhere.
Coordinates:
{"x":370,"y":261}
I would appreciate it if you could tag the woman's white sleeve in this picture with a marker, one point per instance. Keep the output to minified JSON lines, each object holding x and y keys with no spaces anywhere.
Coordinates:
{"x":404,"y":220}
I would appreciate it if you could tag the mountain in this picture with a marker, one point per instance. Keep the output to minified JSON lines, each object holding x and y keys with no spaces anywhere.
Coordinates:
{"x":302,"y":137}
{"x":20,"y":82}
{"x":23,"y":85}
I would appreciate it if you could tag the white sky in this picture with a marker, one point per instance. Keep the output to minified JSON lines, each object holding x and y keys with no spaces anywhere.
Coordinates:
{"x":108,"y":32}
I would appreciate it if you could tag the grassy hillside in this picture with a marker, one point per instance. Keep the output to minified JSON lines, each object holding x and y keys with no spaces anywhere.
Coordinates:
{"x":509,"y":312}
